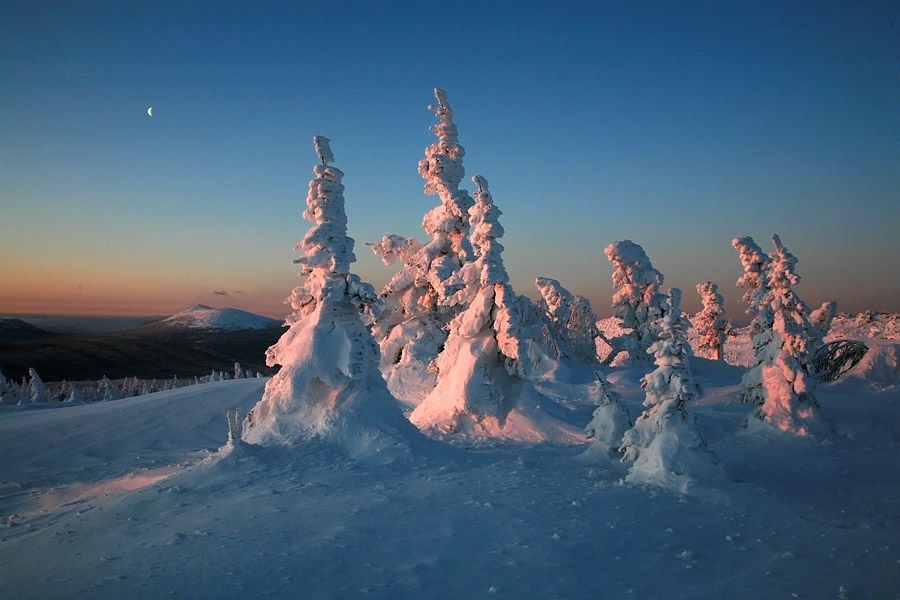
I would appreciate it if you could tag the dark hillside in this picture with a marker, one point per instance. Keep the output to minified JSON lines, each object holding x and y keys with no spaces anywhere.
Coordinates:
{"x":151,"y":351}
{"x":14,"y":330}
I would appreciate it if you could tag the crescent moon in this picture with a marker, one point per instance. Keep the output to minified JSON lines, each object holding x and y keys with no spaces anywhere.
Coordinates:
{"x":150,"y":111}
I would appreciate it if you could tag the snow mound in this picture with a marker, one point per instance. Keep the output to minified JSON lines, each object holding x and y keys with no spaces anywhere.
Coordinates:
{"x":200,"y":316}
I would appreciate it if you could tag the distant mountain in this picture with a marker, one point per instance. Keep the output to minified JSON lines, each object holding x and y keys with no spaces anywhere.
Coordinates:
{"x":219,"y":319}
{"x":185,"y":348}
{"x":17,"y":330}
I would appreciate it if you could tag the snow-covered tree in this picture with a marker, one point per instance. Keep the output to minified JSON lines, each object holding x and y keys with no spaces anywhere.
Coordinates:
{"x":786,"y":370}
{"x":9,"y":391}
{"x":329,"y":386}
{"x":37,"y":391}
{"x":755,"y":263}
{"x":637,"y":300}
{"x":711,"y":324}
{"x":106,"y":389}
{"x":483,"y":365}
{"x":572,"y":317}
{"x":429,"y":290}
{"x":609,"y":421}
{"x":664,"y":446}
{"x":820,"y":323}
{"x":758,"y":298}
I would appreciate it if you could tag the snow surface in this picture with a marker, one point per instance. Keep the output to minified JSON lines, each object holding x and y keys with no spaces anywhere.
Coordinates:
{"x":144,"y":497}
{"x":200,"y":316}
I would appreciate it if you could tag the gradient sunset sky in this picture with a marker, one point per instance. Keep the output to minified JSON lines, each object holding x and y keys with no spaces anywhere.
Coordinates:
{"x":678,"y":125}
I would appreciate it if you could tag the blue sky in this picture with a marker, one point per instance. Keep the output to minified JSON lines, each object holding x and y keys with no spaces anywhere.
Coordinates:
{"x":676,"y":125}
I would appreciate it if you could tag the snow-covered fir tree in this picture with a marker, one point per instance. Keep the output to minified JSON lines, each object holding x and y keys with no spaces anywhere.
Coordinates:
{"x":37,"y":391}
{"x":329,"y":386}
{"x":711,"y":325}
{"x":106,"y":389}
{"x":609,"y":421}
{"x":664,"y":446}
{"x":429,"y":290}
{"x":786,"y":372}
{"x":757,"y":295}
{"x":9,"y":391}
{"x":753,"y":281}
{"x":572,"y":318}
{"x":483,"y":365}
{"x":637,"y":300}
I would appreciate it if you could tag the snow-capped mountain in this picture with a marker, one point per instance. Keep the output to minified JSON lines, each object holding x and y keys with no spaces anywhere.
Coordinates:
{"x":201,"y":316}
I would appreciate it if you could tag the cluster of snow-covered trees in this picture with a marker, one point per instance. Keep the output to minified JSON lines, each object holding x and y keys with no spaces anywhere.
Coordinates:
{"x":450,"y":341}
{"x":33,"y":389}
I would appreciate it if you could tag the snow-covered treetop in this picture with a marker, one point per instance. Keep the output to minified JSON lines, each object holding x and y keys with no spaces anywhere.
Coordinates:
{"x":710,"y":297}
{"x":484,"y":216}
{"x":755,"y":262}
{"x":782,"y":273}
{"x":326,"y":249}
{"x":442,"y":167}
{"x":326,"y":245}
{"x":557,"y":298}
{"x":323,"y":149}
{"x":632,"y":266}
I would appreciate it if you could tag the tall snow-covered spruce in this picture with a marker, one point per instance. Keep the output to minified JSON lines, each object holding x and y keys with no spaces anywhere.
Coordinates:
{"x":782,"y":382}
{"x":429,"y":290}
{"x":329,"y":387}
{"x":787,"y":373}
{"x":664,"y":446}
{"x":756,"y":294}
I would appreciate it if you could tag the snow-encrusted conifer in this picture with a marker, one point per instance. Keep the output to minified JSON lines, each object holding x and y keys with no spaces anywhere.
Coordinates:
{"x":37,"y":391}
{"x":483,"y":365}
{"x":820,"y":323}
{"x":9,"y":391}
{"x":755,"y":263}
{"x":429,"y":290}
{"x":664,"y":446}
{"x":572,"y":317}
{"x":637,"y":300}
{"x":758,"y":298}
{"x":609,"y":421}
{"x":786,"y":371}
{"x":711,"y":325}
{"x":329,"y":386}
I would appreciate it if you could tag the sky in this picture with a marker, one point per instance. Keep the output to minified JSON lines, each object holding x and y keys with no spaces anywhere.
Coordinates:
{"x":677,"y":125}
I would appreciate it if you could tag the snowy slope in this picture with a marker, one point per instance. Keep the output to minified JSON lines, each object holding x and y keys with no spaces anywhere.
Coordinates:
{"x":201,"y":316}
{"x":143,"y":497}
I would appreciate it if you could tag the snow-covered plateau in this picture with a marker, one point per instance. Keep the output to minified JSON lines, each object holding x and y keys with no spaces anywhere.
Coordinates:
{"x":145,"y":498}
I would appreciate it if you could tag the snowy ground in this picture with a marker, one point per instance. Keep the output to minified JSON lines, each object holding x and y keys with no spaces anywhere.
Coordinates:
{"x":143,"y":498}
